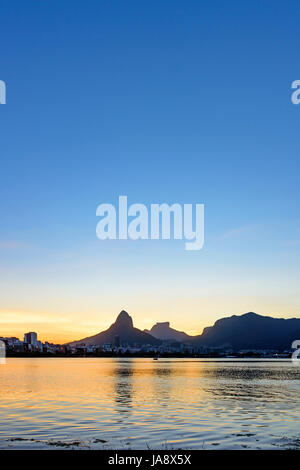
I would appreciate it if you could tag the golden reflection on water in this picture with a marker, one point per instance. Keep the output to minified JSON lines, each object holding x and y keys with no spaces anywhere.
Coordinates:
{"x":141,"y":401}
{"x":84,"y":380}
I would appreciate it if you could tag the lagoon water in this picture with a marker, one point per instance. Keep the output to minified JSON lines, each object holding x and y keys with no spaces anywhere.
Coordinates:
{"x":99,"y":403}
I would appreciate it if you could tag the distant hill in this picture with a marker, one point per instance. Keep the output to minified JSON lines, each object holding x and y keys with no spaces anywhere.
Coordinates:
{"x":163,"y":331}
{"x":123,"y":327}
{"x":248,"y":331}
{"x":251,"y":331}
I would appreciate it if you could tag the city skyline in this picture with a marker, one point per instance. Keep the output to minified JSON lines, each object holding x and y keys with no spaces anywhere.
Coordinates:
{"x":160,"y":322}
{"x":47,"y":333}
{"x":236,"y":336}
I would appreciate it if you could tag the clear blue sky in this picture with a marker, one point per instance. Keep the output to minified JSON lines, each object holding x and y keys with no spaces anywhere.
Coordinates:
{"x":164,"y":101}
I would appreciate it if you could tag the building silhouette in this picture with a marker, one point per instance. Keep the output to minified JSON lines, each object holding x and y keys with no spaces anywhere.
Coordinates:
{"x":31,"y":338}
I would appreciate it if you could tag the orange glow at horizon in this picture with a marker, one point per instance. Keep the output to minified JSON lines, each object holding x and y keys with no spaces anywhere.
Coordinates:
{"x":189,"y":315}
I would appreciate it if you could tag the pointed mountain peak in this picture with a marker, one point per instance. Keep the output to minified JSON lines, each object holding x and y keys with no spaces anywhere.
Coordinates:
{"x":124,"y":320}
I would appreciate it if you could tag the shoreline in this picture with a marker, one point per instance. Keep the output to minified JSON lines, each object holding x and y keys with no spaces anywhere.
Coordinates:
{"x":161,"y":358}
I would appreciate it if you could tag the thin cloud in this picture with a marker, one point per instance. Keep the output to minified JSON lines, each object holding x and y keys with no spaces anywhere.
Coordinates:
{"x":24,"y":317}
{"x":291,"y":243}
{"x":12,"y":245}
{"x":236,"y":232}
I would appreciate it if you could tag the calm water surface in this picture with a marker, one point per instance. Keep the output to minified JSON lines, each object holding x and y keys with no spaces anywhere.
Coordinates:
{"x":139,"y":403}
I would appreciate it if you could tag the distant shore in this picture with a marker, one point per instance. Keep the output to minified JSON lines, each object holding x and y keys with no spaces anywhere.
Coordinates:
{"x":149,"y":355}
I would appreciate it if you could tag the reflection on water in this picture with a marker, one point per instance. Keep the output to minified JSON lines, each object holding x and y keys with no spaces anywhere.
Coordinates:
{"x":140,"y":403}
{"x":123,"y":387}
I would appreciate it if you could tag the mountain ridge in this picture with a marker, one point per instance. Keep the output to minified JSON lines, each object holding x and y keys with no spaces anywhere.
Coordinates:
{"x":163,"y":331}
{"x":249,"y":330}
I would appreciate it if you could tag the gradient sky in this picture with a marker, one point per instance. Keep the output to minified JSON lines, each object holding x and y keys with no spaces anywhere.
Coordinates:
{"x":162,"y":101}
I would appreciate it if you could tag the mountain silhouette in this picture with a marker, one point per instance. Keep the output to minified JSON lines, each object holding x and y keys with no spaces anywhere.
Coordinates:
{"x":163,"y":331}
{"x":251,"y":331}
{"x":123,"y":327}
{"x":247,"y":331}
